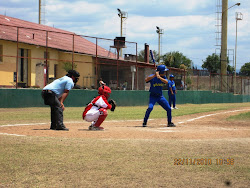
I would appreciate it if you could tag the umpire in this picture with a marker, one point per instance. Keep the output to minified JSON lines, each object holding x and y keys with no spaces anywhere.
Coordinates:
{"x":54,"y":95}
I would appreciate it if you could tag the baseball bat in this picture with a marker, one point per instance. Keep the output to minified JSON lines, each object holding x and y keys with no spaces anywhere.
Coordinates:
{"x":152,"y":56}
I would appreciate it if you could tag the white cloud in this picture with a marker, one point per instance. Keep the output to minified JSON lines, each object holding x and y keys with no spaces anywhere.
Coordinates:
{"x":189,"y":25}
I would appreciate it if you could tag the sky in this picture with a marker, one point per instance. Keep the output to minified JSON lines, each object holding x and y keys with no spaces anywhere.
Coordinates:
{"x":189,"y":25}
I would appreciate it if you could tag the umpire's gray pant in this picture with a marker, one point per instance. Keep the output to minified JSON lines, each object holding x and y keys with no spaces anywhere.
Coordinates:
{"x":51,"y":99}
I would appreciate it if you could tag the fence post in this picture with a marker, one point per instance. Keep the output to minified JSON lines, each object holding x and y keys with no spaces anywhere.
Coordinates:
{"x":17,"y":57}
{"x":210,"y":81}
{"x":73,"y":51}
{"x":197,"y":79}
{"x":241,"y":85}
{"x":96,"y":69}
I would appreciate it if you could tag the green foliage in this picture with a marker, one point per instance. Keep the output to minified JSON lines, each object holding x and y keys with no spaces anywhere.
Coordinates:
{"x":141,"y":56}
{"x":176,"y":59}
{"x":188,"y":82}
{"x":212,"y":64}
{"x":245,"y":69}
{"x":230,"y":69}
{"x":68,"y":66}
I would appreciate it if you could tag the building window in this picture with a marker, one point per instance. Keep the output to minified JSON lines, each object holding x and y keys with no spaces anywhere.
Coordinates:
{"x":1,"y":53}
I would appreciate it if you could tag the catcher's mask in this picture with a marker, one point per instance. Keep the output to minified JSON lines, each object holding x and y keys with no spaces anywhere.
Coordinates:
{"x":104,"y":90}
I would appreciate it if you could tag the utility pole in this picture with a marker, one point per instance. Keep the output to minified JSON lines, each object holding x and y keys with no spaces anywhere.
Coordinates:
{"x":238,"y":16}
{"x":223,"y":54}
{"x":223,"y":59}
{"x":160,"y":32}
{"x":41,"y":11}
{"x":123,"y":15}
{"x":39,"y":15}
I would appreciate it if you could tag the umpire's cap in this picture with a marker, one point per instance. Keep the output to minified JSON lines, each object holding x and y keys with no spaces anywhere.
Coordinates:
{"x":73,"y":73}
{"x":171,"y":76}
{"x":161,"y":69}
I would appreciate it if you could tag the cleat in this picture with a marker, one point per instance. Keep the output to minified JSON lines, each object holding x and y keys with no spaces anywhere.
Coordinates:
{"x":93,"y":128}
{"x":172,"y":108}
{"x":144,"y":124}
{"x":171,"y":125}
{"x":62,"y":129}
{"x":176,"y":108}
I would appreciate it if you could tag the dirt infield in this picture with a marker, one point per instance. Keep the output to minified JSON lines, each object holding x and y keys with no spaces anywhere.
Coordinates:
{"x":212,"y":125}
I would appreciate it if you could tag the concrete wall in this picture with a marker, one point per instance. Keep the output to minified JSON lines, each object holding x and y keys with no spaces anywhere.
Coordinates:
{"x":17,"y":98}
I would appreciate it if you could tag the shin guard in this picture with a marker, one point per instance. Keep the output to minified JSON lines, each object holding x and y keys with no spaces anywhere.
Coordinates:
{"x":102,"y":117}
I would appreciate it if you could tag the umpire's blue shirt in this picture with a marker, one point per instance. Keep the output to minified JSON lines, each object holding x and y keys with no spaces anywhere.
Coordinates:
{"x":156,"y":86}
{"x":59,"y":85}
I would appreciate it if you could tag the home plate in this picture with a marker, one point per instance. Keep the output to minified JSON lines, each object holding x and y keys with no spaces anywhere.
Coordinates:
{"x":166,"y":129}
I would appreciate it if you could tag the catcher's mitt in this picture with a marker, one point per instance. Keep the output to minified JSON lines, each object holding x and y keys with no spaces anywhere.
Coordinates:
{"x":113,"y":104}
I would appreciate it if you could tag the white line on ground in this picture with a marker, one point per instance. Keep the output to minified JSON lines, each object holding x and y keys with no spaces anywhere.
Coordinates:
{"x":27,"y":124}
{"x":11,"y":134}
{"x":200,"y":117}
{"x":212,"y":115}
{"x":12,"y":125}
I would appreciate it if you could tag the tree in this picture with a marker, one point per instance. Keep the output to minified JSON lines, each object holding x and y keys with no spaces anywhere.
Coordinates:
{"x":245,"y":69}
{"x":212,"y":64}
{"x":68,"y":66}
{"x":230,"y":69}
{"x":141,"y":56}
{"x":176,"y":59}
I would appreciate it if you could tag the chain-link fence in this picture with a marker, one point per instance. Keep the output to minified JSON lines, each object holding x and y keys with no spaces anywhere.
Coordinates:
{"x":35,"y":56}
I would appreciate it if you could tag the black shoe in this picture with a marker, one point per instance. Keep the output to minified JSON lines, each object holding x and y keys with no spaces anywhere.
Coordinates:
{"x":144,"y":124}
{"x":62,"y":129}
{"x":52,"y":128}
{"x":171,"y":125}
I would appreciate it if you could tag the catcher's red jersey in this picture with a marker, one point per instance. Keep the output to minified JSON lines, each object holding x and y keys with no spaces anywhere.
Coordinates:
{"x":94,"y":106}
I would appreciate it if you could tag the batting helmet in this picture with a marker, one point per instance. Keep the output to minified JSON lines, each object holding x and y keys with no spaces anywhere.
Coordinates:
{"x":104,"y":90}
{"x":161,"y":69}
{"x":171,"y":76}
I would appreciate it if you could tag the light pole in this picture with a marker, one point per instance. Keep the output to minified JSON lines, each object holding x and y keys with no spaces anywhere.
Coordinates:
{"x":224,"y":42}
{"x":123,"y":15}
{"x":160,"y":32}
{"x":238,"y":16}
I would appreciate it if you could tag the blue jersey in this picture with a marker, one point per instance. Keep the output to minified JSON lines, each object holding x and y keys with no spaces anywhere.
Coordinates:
{"x":156,"y":85}
{"x":171,"y":84}
{"x":59,"y":85}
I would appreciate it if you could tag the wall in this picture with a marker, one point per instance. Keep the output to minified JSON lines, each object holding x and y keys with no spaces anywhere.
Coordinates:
{"x":15,"y":98}
{"x":85,"y":64}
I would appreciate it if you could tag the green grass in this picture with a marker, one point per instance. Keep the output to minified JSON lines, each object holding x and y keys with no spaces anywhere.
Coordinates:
{"x":239,"y":117}
{"x":29,"y":115}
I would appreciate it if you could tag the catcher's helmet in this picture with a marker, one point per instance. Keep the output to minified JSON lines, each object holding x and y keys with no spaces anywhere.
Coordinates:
{"x":171,"y":76}
{"x":104,"y":90}
{"x":161,"y":69}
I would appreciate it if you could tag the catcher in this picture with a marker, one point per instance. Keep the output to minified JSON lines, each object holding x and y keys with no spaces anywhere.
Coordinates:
{"x":96,"y":110}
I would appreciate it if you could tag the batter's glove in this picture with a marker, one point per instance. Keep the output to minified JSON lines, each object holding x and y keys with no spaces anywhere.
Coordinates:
{"x":113,"y":104}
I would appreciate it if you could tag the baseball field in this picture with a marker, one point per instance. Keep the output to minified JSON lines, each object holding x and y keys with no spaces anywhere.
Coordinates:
{"x":209,"y":147}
